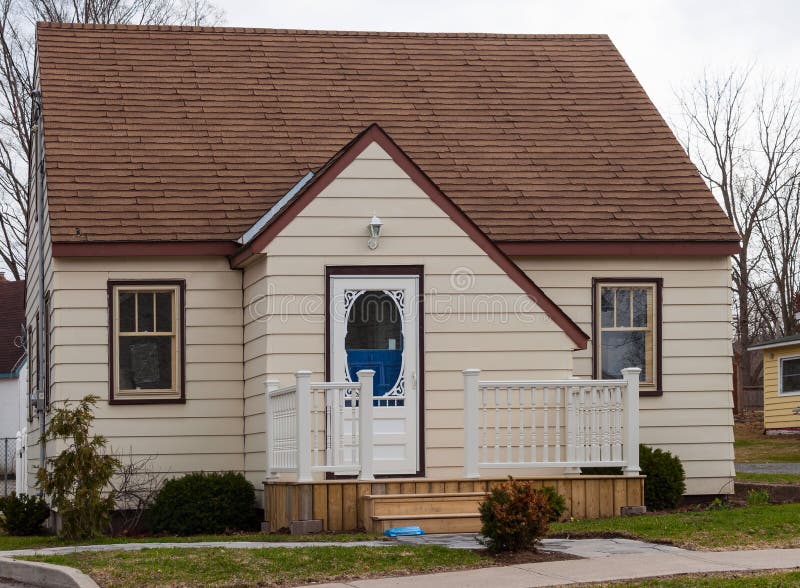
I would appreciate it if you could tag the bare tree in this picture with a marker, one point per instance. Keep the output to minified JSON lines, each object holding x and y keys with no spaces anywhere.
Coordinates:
{"x":776,"y":292}
{"x":744,"y":136}
{"x":136,"y":484}
{"x":17,"y":30}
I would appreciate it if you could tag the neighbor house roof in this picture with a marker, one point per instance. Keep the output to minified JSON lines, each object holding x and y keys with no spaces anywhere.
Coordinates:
{"x":12,"y":317}
{"x":780,"y":342}
{"x":157,"y":134}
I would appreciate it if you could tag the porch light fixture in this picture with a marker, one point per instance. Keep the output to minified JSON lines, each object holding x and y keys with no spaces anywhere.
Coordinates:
{"x":374,"y":229}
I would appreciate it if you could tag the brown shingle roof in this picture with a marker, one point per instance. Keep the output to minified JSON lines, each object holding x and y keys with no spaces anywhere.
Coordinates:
{"x":180,"y":133}
{"x":12,"y":319}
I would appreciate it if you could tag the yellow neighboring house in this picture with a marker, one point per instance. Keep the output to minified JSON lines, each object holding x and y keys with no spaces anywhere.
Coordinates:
{"x":781,"y":383}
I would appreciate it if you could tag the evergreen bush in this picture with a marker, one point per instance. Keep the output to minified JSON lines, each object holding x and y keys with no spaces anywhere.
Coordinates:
{"x":23,"y":514}
{"x":204,"y":503}
{"x":665,"y":482}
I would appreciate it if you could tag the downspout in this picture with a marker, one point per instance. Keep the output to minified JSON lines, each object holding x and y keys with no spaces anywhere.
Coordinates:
{"x":39,"y":182}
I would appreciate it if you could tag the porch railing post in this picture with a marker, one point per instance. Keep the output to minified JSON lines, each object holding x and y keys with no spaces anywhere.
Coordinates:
{"x":471,"y":408}
{"x":572,"y":426}
{"x":631,"y":404}
{"x":303,"y":409}
{"x":269,"y":387}
{"x":365,"y":426}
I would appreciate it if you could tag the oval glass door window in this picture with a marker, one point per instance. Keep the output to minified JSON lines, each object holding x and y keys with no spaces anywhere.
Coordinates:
{"x":374,"y":340}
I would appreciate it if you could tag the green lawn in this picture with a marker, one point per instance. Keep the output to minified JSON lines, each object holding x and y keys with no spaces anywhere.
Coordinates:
{"x":769,"y":478}
{"x":8,"y":543}
{"x":752,"y":527}
{"x":752,"y":446}
{"x":263,"y":567}
{"x":744,"y":580}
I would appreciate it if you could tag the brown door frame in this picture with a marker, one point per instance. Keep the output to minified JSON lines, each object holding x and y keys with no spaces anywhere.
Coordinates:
{"x":414,"y":271}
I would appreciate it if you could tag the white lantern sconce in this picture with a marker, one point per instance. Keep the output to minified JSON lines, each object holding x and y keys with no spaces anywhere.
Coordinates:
{"x":374,"y":229}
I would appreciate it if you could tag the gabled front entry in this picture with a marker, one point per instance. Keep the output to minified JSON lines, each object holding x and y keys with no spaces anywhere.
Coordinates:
{"x":374,"y":324}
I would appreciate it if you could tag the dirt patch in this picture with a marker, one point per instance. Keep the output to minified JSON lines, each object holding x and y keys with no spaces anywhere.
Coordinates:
{"x":523,"y":557}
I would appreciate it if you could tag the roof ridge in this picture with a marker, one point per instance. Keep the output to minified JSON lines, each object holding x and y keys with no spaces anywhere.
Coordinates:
{"x":312,"y":32}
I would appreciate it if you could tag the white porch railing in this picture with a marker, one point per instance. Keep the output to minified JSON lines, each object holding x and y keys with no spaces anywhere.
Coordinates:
{"x":562,"y":423}
{"x":319,"y":427}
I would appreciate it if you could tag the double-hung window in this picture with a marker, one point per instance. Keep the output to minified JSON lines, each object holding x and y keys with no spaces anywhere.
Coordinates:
{"x":147,"y":341}
{"x":789,"y":376}
{"x":627,"y":322}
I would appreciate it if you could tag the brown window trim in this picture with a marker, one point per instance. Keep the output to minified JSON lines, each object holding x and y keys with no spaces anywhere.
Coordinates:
{"x":181,"y":284}
{"x":659,"y":284}
{"x":385,"y":270}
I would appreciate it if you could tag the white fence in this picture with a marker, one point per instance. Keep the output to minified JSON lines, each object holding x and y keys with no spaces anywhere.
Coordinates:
{"x":563,"y":423}
{"x":319,"y":427}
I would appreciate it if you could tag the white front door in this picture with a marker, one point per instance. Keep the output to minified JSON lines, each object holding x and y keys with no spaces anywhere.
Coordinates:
{"x":375,"y":325}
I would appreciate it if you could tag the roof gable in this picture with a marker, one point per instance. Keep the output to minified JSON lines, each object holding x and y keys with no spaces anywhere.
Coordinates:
{"x":190,"y":134}
{"x":334,"y":167}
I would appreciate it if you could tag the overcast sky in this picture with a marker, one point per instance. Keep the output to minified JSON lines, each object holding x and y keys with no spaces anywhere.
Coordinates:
{"x":666,"y":42}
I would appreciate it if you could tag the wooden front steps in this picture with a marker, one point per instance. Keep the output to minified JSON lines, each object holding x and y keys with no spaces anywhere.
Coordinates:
{"x":434,"y":512}
{"x":434,"y":523}
{"x":340,"y":506}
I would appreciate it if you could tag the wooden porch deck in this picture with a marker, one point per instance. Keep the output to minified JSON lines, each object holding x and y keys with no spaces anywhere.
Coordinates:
{"x":348,"y":505}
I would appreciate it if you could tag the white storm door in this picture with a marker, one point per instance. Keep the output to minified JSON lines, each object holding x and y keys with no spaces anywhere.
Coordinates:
{"x":374,"y":325}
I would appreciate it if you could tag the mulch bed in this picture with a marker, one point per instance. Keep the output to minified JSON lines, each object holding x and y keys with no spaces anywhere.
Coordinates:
{"x":524,"y":557}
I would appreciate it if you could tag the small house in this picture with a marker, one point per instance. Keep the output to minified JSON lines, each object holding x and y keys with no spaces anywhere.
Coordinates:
{"x":781,"y":383}
{"x":376,"y":272}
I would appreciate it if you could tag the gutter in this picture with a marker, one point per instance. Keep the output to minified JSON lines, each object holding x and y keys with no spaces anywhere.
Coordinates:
{"x":39,"y":177}
{"x":774,"y":345}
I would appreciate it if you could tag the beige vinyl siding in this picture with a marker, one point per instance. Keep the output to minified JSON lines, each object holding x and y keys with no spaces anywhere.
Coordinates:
{"x":693,"y":418}
{"x":778,"y":409}
{"x":206,"y":432}
{"x":471,"y":328}
{"x":255,"y":352}
{"x":31,"y":308}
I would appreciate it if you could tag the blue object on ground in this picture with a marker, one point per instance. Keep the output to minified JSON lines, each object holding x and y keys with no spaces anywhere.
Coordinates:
{"x":403,"y":531}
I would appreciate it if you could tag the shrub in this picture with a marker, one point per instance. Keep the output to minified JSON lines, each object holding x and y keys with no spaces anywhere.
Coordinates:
{"x":557,"y":503}
{"x":514,"y":516}
{"x":719,"y":504}
{"x":204,"y":503}
{"x":136,"y":485}
{"x":23,"y":514}
{"x":664,"y":485}
{"x":757,"y":497}
{"x":75,"y":479}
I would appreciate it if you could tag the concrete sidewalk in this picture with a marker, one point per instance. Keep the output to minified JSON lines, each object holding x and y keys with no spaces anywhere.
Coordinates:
{"x":606,"y":569}
{"x":769,"y":468}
